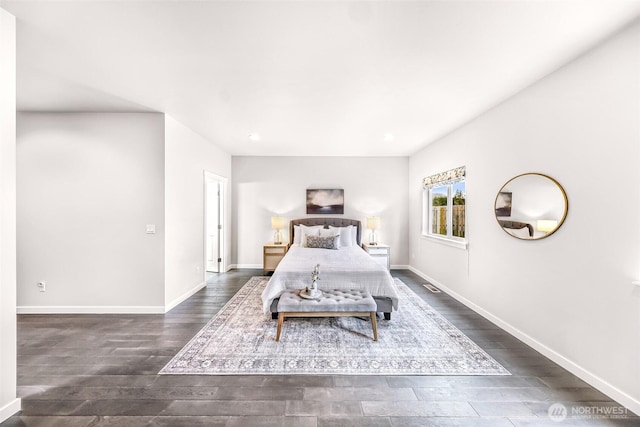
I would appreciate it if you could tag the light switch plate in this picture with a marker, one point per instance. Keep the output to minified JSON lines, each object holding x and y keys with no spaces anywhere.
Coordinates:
{"x":151,"y":229}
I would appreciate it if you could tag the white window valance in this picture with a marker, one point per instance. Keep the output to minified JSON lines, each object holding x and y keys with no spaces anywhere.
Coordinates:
{"x":444,"y":178}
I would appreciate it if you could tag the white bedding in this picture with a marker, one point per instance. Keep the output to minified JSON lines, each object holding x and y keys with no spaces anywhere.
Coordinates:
{"x":345,"y":268}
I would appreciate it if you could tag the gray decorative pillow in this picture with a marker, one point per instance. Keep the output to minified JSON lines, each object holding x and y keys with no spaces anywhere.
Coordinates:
{"x":329,"y":242}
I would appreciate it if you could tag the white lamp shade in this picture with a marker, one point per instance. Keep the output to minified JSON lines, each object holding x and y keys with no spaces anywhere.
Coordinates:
{"x":373,"y":222}
{"x":546,"y":225}
{"x":277,"y":222}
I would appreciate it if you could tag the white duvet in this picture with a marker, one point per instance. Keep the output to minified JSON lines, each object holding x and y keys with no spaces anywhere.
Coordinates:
{"x":344,"y":268}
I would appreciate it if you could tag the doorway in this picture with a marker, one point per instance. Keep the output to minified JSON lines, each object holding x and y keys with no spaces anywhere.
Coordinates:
{"x":214,"y":188}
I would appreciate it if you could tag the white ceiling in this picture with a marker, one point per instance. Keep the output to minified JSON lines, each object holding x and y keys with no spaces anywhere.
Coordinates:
{"x":312,"y":78}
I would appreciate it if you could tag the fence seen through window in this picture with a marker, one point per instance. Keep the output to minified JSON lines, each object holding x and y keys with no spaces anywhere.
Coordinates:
{"x":444,"y":198}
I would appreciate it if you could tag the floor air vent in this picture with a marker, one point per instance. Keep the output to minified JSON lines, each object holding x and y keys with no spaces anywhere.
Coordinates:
{"x":431,"y":288}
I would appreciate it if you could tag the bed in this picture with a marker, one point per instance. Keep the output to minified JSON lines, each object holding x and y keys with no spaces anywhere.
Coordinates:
{"x":515,"y":225}
{"x":348,"y":267}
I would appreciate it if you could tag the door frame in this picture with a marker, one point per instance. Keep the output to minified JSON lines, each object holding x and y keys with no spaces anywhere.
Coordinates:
{"x":210,"y":178}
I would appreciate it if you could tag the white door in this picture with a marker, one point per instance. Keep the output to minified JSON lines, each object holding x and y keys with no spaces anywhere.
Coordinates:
{"x":214,"y":187}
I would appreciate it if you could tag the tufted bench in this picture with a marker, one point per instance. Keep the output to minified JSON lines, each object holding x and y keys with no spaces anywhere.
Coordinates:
{"x":333,"y":303}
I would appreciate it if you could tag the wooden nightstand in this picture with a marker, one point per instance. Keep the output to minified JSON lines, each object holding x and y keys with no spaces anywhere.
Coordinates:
{"x":272,"y":255}
{"x":380,"y":253}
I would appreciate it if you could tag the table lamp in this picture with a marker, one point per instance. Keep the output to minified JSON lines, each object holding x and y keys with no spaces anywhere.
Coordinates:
{"x":546,"y":225}
{"x":277,"y":223}
{"x":373,"y":223}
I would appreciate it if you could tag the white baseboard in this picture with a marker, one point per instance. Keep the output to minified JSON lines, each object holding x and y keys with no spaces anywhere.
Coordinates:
{"x":241,"y":266}
{"x":89,"y":309}
{"x":183,"y":297}
{"x":9,"y":409}
{"x":259,"y":266}
{"x":225,"y":269}
{"x":610,"y":390}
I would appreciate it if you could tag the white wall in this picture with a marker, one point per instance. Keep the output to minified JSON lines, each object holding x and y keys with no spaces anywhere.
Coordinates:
{"x":188,"y":155}
{"x":269,"y":186}
{"x":9,"y":404}
{"x":88,"y":185}
{"x":569,"y":295}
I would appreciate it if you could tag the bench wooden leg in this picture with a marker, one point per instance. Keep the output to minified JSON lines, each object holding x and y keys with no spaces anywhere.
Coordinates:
{"x":280,"y":320}
{"x":374,"y":325}
{"x":372,"y":315}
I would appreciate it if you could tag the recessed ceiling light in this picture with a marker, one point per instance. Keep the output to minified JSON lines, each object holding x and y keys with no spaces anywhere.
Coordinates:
{"x":254,"y":137}
{"x":389,"y":137}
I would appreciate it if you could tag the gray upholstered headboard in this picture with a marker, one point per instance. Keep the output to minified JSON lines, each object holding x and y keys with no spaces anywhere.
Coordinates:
{"x":336,"y":222}
{"x":514,"y":225}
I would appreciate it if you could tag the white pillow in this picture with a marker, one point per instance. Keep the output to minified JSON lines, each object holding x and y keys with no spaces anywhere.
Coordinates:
{"x":308,"y":231}
{"x":348,"y":235}
{"x":327,"y":232}
{"x":297,"y":233}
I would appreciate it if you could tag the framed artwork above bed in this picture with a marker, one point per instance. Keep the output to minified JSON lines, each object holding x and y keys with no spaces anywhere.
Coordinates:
{"x":322,"y":201}
{"x":503,"y":203}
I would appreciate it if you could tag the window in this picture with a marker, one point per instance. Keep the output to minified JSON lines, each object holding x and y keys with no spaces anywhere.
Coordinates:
{"x":444,"y":206}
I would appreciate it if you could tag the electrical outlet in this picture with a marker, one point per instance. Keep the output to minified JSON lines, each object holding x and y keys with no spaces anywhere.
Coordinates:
{"x":42,"y":286}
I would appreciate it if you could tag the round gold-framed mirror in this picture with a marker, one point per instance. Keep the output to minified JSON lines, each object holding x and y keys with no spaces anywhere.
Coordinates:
{"x":531,"y":206}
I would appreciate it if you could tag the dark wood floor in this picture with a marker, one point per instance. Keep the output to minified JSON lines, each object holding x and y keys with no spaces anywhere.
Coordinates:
{"x":88,"y":370}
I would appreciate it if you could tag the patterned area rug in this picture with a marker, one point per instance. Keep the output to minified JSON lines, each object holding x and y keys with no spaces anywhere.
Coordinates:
{"x":240,"y":340}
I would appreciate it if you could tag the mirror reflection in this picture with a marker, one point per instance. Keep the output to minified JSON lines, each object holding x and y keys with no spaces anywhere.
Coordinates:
{"x":531,"y":206}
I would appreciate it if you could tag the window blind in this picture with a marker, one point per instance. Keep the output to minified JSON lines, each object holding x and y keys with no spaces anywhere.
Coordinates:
{"x":444,"y":178}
